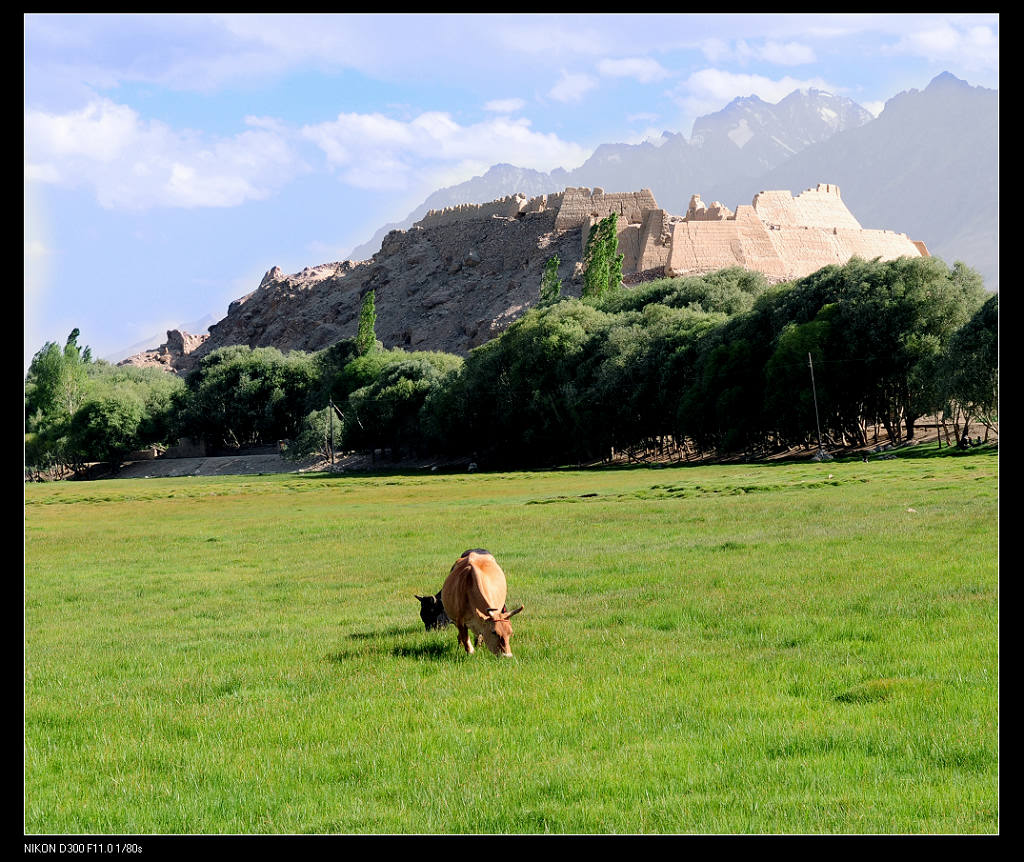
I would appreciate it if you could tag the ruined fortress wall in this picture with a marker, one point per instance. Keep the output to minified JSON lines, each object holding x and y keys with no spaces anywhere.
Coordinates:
{"x":655,"y":240}
{"x":778,"y":234}
{"x":869,"y":244}
{"x":703,"y":246}
{"x":579,"y":205}
{"x":509,"y":206}
{"x":629,"y":247}
{"x":818,"y":207}
{"x":783,"y":237}
{"x":803,"y":250}
{"x":779,"y":253}
{"x":641,"y":247}
{"x":543,"y":202}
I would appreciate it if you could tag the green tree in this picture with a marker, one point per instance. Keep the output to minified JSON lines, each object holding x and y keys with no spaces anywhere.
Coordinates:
{"x":386,"y":413}
{"x":519,"y":395}
{"x":363,"y":370}
{"x":550,"y":283}
{"x":329,"y":364}
{"x":969,"y":368}
{"x":602,"y":263}
{"x":156,"y":390}
{"x":241,"y":396}
{"x":55,"y":386}
{"x":789,"y":400}
{"x":730,"y":291}
{"x":366,"y":338}
{"x":106,"y":428}
{"x":318,"y":432}
{"x":56,"y":381}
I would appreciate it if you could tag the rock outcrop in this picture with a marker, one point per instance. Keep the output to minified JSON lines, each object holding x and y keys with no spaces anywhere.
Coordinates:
{"x":174,"y":355}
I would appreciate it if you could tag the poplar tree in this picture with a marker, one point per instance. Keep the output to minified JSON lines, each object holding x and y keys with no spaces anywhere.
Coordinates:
{"x":550,"y":283}
{"x":366,"y":338}
{"x":602,"y":263}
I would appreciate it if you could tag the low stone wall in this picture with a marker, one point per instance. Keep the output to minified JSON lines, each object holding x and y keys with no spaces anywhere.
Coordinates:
{"x":507,"y":207}
{"x":186,"y":447}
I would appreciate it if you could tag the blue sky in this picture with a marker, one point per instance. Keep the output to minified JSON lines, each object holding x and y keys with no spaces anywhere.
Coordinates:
{"x":171,"y":160}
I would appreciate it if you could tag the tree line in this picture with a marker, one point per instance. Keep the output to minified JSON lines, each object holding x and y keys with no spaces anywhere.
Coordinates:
{"x":719,"y":363}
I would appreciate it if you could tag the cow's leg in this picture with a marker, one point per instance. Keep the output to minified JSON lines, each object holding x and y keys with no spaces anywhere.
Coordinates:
{"x":464,"y":639}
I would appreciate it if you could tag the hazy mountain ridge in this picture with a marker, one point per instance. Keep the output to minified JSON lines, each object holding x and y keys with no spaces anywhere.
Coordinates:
{"x":927,"y":165}
{"x":745,"y":138}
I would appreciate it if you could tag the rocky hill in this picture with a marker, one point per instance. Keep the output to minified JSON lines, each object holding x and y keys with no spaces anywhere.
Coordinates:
{"x":462,"y":274}
{"x":446,"y":287}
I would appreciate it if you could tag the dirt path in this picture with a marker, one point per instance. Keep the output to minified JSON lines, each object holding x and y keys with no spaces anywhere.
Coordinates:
{"x":232,"y":465}
{"x":235,"y":465}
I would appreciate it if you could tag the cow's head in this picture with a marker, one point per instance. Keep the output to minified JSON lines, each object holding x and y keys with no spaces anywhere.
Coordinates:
{"x":432,"y":612}
{"x":497,"y":630}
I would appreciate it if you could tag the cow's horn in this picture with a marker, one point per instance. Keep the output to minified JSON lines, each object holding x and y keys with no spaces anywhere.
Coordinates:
{"x":516,"y":611}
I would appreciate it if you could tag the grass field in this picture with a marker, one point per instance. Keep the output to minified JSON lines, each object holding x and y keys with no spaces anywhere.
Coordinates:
{"x":730,"y":649}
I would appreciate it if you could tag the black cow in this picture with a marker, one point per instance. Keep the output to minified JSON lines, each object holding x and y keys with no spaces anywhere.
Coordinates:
{"x":432,"y":612}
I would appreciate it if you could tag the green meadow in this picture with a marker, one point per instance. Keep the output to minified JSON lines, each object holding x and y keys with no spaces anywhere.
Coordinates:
{"x":794,"y":648}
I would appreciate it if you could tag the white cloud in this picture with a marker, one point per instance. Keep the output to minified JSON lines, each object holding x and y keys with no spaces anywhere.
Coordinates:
{"x":131,"y":163}
{"x":874,"y":108}
{"x":505,"y":106}
{"x":788,"y":54}
{"x":715,"y":49}
{"x":376,"y":151}
{"x":553,"y":35}
{"x":572,"y":87}
{"x":972,"y":47}
{"x":643,"y":69}
{"x":742,"y":51}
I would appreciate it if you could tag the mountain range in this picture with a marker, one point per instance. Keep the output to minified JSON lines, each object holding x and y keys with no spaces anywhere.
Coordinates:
{"x":926,"y":166}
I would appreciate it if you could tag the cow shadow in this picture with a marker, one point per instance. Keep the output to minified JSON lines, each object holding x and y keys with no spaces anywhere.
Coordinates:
{"x":392,"y":631}
{"x":405,"y":642}
{"x":429,"y":650}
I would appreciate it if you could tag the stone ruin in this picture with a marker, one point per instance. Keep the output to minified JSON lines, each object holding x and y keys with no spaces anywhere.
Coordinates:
{"x":169,"y":356}
{"x":779,"y":235}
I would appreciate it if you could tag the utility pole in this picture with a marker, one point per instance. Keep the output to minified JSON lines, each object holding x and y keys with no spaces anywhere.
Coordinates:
{"x":814,"y":391}
{"x":330,"y":425}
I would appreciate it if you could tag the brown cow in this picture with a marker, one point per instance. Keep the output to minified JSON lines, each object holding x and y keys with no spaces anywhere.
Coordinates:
{"x":472,"y":594}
